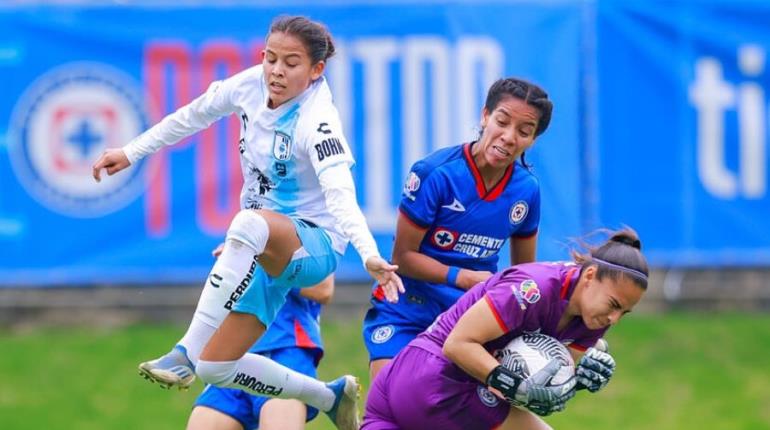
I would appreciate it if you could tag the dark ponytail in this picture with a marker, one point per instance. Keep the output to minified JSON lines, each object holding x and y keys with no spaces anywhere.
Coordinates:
{"x":621,"y":255}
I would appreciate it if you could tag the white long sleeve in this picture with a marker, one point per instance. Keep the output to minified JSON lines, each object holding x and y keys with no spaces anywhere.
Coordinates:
{"x":196,"y":116}
{"x":340,"y":193}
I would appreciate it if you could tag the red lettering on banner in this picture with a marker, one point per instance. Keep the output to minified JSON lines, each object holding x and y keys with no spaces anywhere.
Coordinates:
{"x":217,"y":204}
{"x":257,"y":53}
{"x":169,"y":70}
{"x":158,"y":56}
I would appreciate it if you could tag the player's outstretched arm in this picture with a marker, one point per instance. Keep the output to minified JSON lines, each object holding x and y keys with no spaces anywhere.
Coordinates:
{"x":113,"y":160}
{"x":340,"y":195}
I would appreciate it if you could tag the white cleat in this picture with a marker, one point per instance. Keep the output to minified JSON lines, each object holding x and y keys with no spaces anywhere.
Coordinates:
{"x":172,"y":370}
{"x":344,"y":412}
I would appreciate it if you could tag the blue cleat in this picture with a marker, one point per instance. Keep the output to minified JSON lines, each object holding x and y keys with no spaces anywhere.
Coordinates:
{"x":344,"y":412}
{"x":172,"y":370}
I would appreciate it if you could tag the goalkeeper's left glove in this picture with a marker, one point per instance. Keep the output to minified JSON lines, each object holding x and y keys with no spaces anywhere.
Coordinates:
{"x":534,"y":392}
{"x":594,"y":370}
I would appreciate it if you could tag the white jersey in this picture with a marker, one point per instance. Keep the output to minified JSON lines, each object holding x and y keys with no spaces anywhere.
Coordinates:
{"x":282,"y":151}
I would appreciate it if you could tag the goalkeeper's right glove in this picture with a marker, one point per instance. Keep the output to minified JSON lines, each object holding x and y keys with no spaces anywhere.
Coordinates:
{"x":594,"y":370}
{"x":534,"y":392}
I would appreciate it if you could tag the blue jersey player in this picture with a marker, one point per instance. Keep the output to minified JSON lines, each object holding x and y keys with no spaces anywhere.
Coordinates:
{"x":459,"y":207}
{"x":294,"y":340}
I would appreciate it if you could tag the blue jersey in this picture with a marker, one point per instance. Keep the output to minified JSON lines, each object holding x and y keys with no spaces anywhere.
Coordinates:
{"x":466,"y":224}
{"x":296,"y":325}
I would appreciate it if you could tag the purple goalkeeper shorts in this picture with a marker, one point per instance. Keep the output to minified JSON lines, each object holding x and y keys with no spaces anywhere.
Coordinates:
{"x":419,"y":390}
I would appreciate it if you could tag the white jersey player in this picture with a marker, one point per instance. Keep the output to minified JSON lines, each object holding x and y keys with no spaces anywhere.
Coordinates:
{"x":298,"y":212}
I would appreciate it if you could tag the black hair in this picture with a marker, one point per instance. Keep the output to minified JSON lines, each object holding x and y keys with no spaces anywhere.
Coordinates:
{"x":621,"y":255}
{"x":314,"y":35}
{"x":526,"y":91}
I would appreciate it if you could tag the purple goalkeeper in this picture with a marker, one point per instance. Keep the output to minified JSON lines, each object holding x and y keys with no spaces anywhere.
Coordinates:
{"x":447,"y":377}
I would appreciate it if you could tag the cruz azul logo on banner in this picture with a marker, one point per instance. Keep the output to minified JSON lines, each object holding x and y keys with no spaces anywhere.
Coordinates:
{"x":59,"y":127}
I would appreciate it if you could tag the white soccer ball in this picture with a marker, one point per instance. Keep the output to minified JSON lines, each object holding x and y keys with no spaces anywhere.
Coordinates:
{"x":529,"y":353}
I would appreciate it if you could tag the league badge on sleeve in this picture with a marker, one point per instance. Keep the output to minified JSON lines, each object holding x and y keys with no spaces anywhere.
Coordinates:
{"x":411,"y":185}
{"x":530,"y":291}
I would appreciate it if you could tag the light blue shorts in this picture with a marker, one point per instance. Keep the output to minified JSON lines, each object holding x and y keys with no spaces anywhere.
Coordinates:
{"x":310,"y":264}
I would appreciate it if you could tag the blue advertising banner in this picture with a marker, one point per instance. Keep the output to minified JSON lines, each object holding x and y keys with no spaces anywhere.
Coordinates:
{"x":683,"y":108}
{"x":78,"y":79}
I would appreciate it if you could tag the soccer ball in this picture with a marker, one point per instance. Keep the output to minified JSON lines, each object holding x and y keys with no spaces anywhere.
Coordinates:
{"x":529,"y":353}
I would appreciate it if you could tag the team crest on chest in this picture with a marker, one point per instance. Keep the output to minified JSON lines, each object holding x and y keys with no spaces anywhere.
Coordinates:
{"x":444,"y":238}
{"x":519,"y":211}
{"x":282,"y":146}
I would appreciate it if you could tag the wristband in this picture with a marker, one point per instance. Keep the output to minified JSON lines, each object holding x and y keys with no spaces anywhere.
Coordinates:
{"x":451,"y":275}
{"x":502,"y":379}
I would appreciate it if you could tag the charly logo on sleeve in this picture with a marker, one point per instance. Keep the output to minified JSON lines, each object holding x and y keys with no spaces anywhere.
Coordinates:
{"x":61,"y":124}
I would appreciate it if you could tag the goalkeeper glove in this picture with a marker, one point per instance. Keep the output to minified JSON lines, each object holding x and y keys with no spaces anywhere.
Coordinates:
{"x":534,"y":392}
{"x":594,"y":370}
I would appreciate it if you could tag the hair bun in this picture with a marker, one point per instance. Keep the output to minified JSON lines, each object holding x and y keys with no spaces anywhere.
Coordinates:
{"x":627,"y":239}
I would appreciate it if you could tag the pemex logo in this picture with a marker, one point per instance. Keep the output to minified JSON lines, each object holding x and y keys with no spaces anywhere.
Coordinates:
{"x":62,"y":123}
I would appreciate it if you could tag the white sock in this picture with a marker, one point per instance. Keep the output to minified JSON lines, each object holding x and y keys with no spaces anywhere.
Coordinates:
{"x":260,"y":375}
{"x":197,"y":336}
{"x":231,"y":275}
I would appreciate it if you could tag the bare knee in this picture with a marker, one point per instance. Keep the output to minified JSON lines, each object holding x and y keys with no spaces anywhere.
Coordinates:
{"x":522,"y":419}
{"x":375,"y":367}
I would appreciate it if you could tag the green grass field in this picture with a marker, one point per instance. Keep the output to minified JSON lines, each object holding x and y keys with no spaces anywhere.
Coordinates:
{"x":675,"y":372}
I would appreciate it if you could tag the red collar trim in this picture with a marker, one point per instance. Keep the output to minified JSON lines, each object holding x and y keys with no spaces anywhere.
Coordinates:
{"x":481,"y":189}
{"x":565,"y":285}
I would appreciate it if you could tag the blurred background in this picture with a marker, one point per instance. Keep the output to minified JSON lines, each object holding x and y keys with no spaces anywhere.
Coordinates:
{"x":660,"y":123}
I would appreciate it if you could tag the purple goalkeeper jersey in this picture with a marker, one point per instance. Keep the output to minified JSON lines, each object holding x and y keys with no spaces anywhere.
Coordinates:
{"x":527,"y":298}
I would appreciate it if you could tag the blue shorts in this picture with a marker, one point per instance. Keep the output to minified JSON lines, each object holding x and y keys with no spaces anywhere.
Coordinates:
{"x":245,"y":407}
{"x":385,"y":335}
{"x":310,"y":264}
{"x":388,"y":327}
